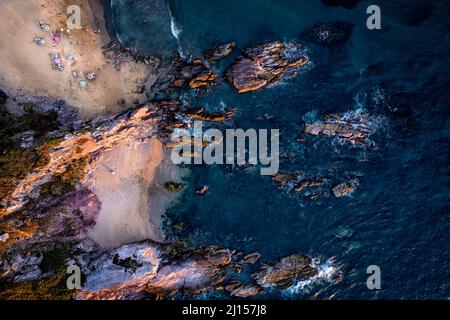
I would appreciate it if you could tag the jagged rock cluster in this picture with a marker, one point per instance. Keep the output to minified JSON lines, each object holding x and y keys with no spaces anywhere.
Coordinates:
{"x":262,"y":65}
{"x":354,"y":128}
{"x":313,"y":186}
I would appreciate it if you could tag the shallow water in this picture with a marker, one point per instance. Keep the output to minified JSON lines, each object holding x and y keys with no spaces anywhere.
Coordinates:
{"x":398,"y":218}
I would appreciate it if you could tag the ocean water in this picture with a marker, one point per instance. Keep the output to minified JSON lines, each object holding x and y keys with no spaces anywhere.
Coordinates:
{"x":399,"y":217}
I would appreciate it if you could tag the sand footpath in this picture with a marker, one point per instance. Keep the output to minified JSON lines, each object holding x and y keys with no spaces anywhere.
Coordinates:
{"x":27,"y":67}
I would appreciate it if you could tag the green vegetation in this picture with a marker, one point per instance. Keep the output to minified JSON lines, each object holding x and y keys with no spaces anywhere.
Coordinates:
{"x":55,"y":259}
{"x":67,"y":181}
{"x":173,"y":186}
{"x":16,"y":162}
{"x":53,"y":288}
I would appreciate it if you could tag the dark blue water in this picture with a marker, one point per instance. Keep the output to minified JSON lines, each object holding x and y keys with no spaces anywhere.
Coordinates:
{"x":399,"y":217}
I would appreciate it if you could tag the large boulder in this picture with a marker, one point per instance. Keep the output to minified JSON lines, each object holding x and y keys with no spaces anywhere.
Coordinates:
{"x":352,"y":127}
{"x":283,"y":274}
{"x":261,"y":65}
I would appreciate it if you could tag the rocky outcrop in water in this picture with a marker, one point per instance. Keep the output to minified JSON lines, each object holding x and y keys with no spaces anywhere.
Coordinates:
{"x":194,"y":75}
{"x":203,"y":115}
{"x":265,"y":64}
{"x":214,"y":55}
{"x":345,"y":188}
{"x":354,"y":128}
{"x":285,"y":272}
{"x":314,"y":186}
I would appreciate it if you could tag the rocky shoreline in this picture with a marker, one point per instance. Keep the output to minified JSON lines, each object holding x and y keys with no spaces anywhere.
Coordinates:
{"x":46,"y":210}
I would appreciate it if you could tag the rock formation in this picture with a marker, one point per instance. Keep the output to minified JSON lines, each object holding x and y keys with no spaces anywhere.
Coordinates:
{"x":345,"y":188}
{"x":283,"y":274}
{"x":354,"y":127}
{"x":265,"y":64}
{"x":217,"y":53}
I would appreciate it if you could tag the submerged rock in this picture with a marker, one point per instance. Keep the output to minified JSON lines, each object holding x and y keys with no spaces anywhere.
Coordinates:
{"x":284,"y":273}
{"x":329,"y":33}
{"x":217,"y":53}
{"x":347,"y":4}
{"x":261,"y":65}
{"x":308,"y":183}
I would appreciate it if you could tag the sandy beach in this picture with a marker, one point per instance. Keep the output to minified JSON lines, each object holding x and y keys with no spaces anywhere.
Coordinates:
{"x":129,"y":182}
{"x":27,"y":67}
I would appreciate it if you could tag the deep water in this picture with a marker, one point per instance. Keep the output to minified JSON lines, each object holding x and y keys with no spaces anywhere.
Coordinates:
{"x":399,"y":217}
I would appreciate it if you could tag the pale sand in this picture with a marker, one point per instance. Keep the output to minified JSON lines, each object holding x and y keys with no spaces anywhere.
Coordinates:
{"x":26,"y":67}
{"x":127,"y":181}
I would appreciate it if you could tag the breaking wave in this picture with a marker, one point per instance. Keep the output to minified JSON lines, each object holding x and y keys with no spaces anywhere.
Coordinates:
{"x":328,"y":273}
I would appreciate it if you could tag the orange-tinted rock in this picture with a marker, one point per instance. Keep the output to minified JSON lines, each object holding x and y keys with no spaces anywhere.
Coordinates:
{"x":204,"y":79}
{"x":262,"y":65}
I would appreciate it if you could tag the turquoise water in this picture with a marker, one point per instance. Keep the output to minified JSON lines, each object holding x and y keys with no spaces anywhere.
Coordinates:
{"x":398,"y":218}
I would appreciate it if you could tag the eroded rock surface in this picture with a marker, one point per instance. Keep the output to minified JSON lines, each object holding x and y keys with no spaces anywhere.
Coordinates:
{"x":259,"y":66}
{"x":237,"y":289}
{"x":354,"y":127}
{"x":153,"y":274}
{"x":345,"y":188}
{"x":214,"y":55}
{"x":283,"y":273}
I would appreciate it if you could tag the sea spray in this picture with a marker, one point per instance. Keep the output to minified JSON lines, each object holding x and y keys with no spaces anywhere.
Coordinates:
{"x":176,"y":30}
{"x":328,"y":273}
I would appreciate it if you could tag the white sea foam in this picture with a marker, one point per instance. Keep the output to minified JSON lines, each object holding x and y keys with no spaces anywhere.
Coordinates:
{"x":328,"y":272}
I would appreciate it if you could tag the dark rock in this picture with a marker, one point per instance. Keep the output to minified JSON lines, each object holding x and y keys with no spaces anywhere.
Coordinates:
{"x":261,"y":65}
{"x":286,"y":178}
{"x":3,"y":98}
{"x":238,"y":289}
{"x":283,"y":274}
{"x":193,"y":74}
{"x":201,"y":114}
{"x":347,"y":4}
{"x":219,"y":52}
{"x":329,"y":33}
{"x":414,"y":14}
{"x":127,"y":263}
{"x":308,"y":183}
